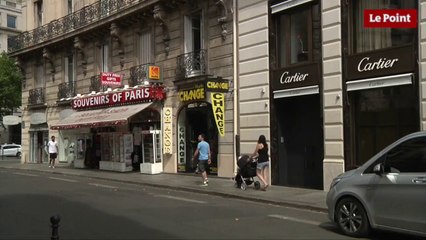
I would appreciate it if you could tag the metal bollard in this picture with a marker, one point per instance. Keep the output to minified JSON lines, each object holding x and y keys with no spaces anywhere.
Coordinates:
{"x":54,"y":220}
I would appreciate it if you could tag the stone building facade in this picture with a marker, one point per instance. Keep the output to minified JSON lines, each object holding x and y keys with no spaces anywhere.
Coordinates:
{"x":174,"y":64}
{"x":307,"y":81}
{"x":297,"y":71}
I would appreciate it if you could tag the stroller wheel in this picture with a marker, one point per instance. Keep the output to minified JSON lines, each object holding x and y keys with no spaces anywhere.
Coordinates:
{"x":243,"y":187}
{"x":257,"y":185}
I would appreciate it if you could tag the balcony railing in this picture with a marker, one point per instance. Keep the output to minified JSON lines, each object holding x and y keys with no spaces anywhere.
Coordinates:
{"x":191,"y":64}
{"x":138,"y":75}
{"x":95,"y":84}
{"x":36,"y":96}
{"x":71,"y":22}
{"x":66,"y":90}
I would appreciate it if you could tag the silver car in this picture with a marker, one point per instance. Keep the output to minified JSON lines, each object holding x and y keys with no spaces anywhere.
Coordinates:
{"x":388,"y":192}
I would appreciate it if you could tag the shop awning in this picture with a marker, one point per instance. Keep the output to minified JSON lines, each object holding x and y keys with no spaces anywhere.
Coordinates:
{"x":293,"y":92}
{"x":112,"y":116}
{"x":380,"y":82}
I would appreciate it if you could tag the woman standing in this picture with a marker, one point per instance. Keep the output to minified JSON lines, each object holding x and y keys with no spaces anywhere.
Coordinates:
{"x":261,"y":152}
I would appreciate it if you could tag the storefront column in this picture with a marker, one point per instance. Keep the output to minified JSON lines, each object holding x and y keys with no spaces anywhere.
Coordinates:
{"x":333,"y":163}
{"x":422,"y":67}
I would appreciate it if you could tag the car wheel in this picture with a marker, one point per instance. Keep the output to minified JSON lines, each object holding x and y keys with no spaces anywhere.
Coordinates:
{"x":18,"y":155}
{"x":351,"y":218}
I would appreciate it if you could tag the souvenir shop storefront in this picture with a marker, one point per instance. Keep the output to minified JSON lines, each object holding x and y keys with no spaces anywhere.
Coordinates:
{"x":118,"y":131}
{"x":202,"y":111}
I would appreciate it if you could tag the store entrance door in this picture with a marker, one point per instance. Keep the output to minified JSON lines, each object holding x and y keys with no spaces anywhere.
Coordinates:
{"x":38,"y":147}
{"x":193,"y":121}
{"x":300,"y":143}
{"x":152,"y":161}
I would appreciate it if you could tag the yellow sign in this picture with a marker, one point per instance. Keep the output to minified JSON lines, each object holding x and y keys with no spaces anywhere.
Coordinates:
{"x":154,"y":72}
{"x":192,"y":94}
{"x":218,"y":105}
{"x":167,"y":130}
{"x":218,"y":86}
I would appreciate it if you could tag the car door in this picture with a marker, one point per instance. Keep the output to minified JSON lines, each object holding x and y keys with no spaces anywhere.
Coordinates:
{"x":400,"y":192}
{"x":7,"y":150}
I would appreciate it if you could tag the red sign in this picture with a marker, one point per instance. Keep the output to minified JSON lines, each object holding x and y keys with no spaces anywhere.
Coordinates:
{"x":110,"y":79}
{"x":396,"y":18}
{"x":130,"y":96}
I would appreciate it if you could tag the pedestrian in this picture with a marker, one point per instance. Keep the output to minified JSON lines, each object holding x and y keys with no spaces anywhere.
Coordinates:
{"x":204,"y":157}
{"x":261,"y":152}
{"x":52,"y":146}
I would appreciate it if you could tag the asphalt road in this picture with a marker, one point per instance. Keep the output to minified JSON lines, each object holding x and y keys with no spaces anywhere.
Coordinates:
{"x":96,"y":209}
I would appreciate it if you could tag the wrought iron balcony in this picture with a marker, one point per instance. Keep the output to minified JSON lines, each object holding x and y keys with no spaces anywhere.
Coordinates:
{"x":71,"y":22}
{"x":191,"y":64}
{"x":95,"y":84}
{"x":66,"y":90}
{"x":36,"y":96}
{"x":139,"y":74}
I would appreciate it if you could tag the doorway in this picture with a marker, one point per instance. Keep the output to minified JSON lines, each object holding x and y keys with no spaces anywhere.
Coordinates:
{"x":38,"y":150}
{"x":196,"y":119}
{"x":300,"y":146}
{"x":379,"y":117}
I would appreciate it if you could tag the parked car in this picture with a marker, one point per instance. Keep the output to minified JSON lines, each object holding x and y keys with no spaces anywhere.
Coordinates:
{"x":13,"y":150}
{"x":388,"y":192}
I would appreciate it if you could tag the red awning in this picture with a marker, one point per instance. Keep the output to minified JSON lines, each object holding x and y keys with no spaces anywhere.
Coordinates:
{"x":112,"y":116}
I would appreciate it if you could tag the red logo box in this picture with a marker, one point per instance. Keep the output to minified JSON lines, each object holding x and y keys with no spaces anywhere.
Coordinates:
{"x":397,"y":18}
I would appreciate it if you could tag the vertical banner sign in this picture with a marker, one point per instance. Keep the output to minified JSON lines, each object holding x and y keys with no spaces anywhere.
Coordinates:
{"x":218,"y":105}
{"x":181,"y":143}
{"x":167,"y":130}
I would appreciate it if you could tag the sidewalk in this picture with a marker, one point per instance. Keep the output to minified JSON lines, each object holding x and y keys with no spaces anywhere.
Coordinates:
{"x":284,"y":196}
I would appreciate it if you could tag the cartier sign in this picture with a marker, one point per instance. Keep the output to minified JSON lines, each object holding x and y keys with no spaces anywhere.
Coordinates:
{"x":295,"y":77}
{"x":380,"y":63}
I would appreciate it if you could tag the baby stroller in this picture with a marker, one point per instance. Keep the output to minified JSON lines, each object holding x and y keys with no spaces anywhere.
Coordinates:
{"x":246,"y":172}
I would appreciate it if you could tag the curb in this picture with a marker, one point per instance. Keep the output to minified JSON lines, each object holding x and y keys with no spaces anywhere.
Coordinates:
{"x":188,"y":189}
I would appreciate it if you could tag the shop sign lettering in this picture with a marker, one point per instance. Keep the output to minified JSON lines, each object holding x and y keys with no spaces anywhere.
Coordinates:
{"x":218,"y":105}
{"x":115,"y":98}
{"x":297,"y":77}
{"x":168,"y":134}
{"x":181,"y":145}
{"x":192,"y":95}
{"x":110,"y":79}
{"x":366,"y":65}
{"x":217,"y":86}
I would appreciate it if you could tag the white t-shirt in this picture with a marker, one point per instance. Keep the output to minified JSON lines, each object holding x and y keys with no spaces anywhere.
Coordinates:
{"x":52,"y":146}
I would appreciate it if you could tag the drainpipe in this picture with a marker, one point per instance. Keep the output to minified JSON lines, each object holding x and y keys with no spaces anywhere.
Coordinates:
{"x":236,"y":79}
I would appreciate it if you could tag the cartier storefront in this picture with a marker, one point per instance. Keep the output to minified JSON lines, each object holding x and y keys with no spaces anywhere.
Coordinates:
{"x":382,"y":101}
{"x":297,"y":114}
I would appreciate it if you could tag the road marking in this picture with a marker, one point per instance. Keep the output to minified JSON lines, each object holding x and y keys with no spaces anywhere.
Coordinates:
{"x":102,"y":185}
{"x":25,"y":174}
{"x":294,"y":219}
{"x":181,"y":199}
{"x":63,"y":179}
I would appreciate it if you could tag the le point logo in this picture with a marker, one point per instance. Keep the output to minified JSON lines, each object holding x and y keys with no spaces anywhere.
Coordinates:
{"x":395,"y":18}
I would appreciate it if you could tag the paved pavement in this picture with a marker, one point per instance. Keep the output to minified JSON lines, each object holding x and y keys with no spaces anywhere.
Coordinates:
{"x":284,"y":196}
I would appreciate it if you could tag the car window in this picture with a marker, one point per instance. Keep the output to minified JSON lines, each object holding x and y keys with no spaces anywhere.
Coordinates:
{"x":409,"y":156}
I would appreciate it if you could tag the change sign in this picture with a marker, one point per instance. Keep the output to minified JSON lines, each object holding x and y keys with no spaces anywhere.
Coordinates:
{"x":218,"y":105}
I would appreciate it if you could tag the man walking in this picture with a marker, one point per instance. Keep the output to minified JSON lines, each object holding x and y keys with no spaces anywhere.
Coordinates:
{"x":204,"y":158}
{"x":52,"y":146}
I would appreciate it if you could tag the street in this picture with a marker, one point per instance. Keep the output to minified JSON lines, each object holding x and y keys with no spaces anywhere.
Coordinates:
{"x":99,"y":209}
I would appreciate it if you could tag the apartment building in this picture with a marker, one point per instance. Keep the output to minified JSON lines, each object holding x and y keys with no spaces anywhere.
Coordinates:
{"x":326,"y":92}
{"x":128,"y":85}
{"x":11,"y":22}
